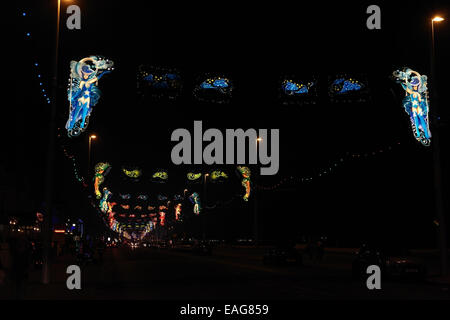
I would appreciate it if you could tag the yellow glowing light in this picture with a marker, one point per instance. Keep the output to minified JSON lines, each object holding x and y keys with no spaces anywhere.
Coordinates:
{"x":438,"y":19}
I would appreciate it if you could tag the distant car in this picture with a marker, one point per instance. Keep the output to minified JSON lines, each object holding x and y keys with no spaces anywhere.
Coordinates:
{"x":162,"y":245}
{"x":393,"y":262}
{"x":202,"y":248}
{"x":283,"y":256}
{"x":134,"y":245}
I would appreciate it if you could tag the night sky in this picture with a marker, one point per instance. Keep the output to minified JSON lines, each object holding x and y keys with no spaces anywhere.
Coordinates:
{"x":388,"y":195}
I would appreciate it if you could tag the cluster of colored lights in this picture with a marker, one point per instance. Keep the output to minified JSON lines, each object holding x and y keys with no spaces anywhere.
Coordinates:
{"x":218,"y":175}
{"x":342,"y":86}
{"x":415,"y":102}
{"x":134,"y":174}
{"x":215,"y":83}
{"x":245,"y":173}
{"x":192,"y":176}
{"x":159,"y":81}
{"x":101,"y":170}
{"x":214,"y":89}
{"x":290,"y":87}
{"x":160,"y":176}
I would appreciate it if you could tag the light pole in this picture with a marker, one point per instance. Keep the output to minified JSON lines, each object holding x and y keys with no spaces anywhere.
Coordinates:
{"x":206,"y":175}
{"x":91,"y":137}
{"x":255,"y":196}
{"x":49,"y":177}
{"x":439,"y":200}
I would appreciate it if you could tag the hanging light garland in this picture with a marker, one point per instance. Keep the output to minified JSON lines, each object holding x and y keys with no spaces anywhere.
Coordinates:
{"x":325,"y":171}
{"x":44,"y":92}
{"x":36,"y":69}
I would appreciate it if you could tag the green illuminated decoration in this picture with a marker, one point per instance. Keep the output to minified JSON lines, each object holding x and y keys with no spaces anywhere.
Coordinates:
{"x":136,"y":173}
{"x":162,"y":175}
{"x":101,"y":170}
{"x":245,"y":173}
{"x":193,"y":176}
{"x":217,"y":175}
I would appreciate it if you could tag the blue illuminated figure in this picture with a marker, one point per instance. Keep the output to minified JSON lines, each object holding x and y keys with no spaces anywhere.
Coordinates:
{"x":104,"y":205}
{"x":164,"y":81}
{"x":342,"y":85}
{"x":416,"y":102}
{"x":195,"y":200}
{"x":290,"y":87}
{"x":215,"y":83}
{"x":83,"y":92}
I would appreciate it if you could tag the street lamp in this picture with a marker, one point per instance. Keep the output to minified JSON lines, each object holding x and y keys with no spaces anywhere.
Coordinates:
{"x":255,"y":196}
{"x":437,"y":157}
{"x":435,"y":19}
{"x":50,"y":163}
{"x":206,"y":175}
{"x":91,"y":137}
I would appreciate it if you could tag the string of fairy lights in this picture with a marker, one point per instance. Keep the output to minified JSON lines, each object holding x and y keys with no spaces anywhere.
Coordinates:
{"x":72,"y":158}
{"x":330,"y":169}
{"x":222,"y":204}
{"x":36,"y":68}
{"x":38,"y":75}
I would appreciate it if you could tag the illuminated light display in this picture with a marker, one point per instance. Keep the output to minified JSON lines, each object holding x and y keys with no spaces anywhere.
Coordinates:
{"x":214,"y":89}
{"x":178,"y":212}
{"x":126,"y":196}
{"x":159,"y":82}
{"x":298,"y":91}
{"x":150,"y":208}
{"x":194,"y":177}
{"x":83,"y":92}
{"x":39,"y":217}
{"x":162,"y":197}
{"x":290,"y":87}
{"x":149,"y":226}
{"x":245,"y":173}
{"x":138,"y":208}
{"x":178,"y":197}
{"x":218,"y":176}
{"x":416,"y":102}
{"x":143,"y":197}
{"x":104,"y":204}
{"x":162,"y":208}
{"x":345,"y":88}
{"x":195,"y":200}
{"x":215,"y":83}
{"x":101,"y":170}
{"x":342,"y":85}
{"x":133,"y":173}
{"x":126,"y":235}
{"x":106,"y":207}
{"x":125,"y":206}
{"x":162,"y":218}
{"x":160,"y":176}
